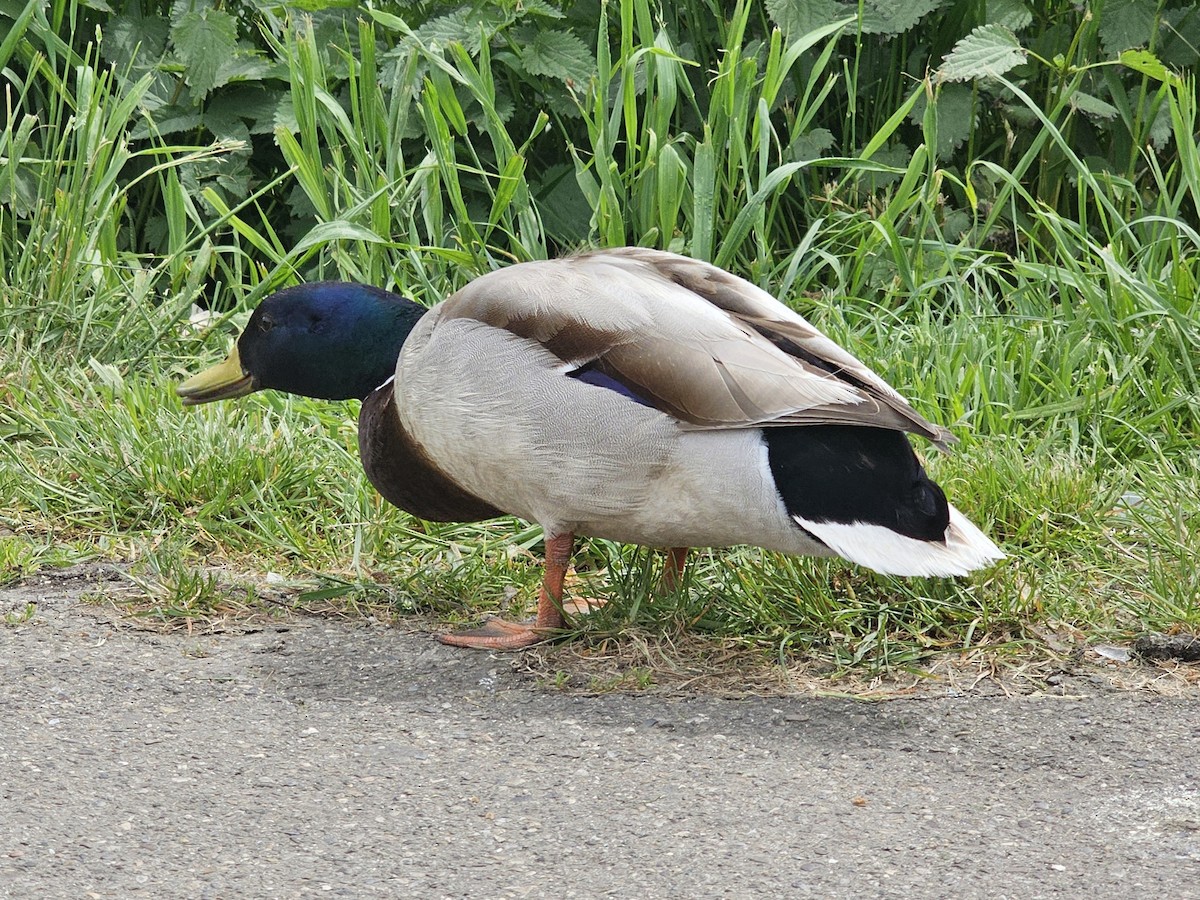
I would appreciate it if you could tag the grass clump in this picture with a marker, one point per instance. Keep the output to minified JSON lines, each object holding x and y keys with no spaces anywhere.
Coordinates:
{"x":1038,"y":295}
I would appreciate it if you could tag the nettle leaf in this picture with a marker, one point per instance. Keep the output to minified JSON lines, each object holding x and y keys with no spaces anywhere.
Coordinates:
{"x":811,"y":145}
{"x":1161,"y":132}
{"x":897,"y":156}
{"x":798,"y":17}
{"x":168,"y":120}
{"x":205,"y":42}
{"x":1012,"y":14}
{"x":244,"y":67}
{"x":541,"y":8}
{"x":566,"y":213}
{"x":988,"y":50}
{"x":1146,"y":63}
{"x":223,"y":120}
{"x":285,"y":116}
{"x":504,"y":107}
{"x":891,"y":16}
{"x":955,"y":117}
{"x":127,"y":37}
{"x":1093,"y":106}
{"x":955,"y":224}
{"x":557,"y":54}
{"x":180,"y":8}
{"x":1126,"y":24}
{"x":1179,"y":41}
{"x":449,"y":29}
{"x":464,"y":26}
{"x":255,"y":104}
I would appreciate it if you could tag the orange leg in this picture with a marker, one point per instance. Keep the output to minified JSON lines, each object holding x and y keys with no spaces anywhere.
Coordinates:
{"x":497,"y":634}
{"x":673,"y":569}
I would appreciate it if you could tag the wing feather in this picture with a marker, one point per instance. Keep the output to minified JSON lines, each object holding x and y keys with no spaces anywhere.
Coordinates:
{"x":699,"y":343}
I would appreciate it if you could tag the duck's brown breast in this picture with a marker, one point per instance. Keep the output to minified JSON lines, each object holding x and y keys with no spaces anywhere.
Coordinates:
{"x":404,"y":474}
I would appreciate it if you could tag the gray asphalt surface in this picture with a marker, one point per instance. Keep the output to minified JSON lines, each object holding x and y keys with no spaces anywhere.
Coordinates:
{"x":331,"y":759}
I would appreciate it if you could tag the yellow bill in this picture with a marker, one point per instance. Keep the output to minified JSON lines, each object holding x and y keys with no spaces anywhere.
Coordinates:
{"x":222,"y":381}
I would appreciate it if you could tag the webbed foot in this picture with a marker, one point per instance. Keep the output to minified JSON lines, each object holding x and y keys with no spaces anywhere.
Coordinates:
{"x":496,"y":634}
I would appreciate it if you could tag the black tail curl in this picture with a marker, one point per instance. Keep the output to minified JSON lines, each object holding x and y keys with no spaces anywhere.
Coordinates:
{"x":850,"y":474}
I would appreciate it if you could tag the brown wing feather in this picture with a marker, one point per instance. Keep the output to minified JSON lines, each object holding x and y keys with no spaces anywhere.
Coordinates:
{"x":737,"y":359}
{"x":795,"y":336}
{"x":557,"y":304}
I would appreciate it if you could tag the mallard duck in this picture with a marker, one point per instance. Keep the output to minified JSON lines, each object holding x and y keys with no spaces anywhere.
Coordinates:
{"x":628,"y":394}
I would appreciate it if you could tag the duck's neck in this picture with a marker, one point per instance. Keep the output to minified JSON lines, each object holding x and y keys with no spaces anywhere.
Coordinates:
{"x":379,"y":339}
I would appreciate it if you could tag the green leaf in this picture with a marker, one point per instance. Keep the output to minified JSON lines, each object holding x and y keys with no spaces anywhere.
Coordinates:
{"x":891,"y":16}
{"x":955,"y":117}
{"x":222,"y":120}
{"x":565,"y":210}
{"x":448,"y":29}
{"x":986,"y":51}
{"x":336,"y":230}
{"x":285,"y":115}
{"x":391,"y":21}
{"x":1093,"y":106}
{"x":18,"y":188}
{"x":1148,"y":64}
{"x":1126,"y":24}
{"x":811,"y":144}
{"x":704,"y":177}
{"x":1161,"y":132}
{"x":15,"y":32}
{"x":1179,"y":39}
{"x":558,"y":54}
{"x":463,"y":26}
{"x":886,"y":167}
{"x":541,"y":8}
{"x":797,"y":18}
{"x":128,"y":36}
{"x":243,"y":67}
{"x":1012,"y":14}
{"x":254,"y":103}
{"x":511,"y":179}
{"x":205,"y":42}
{"x":167,"y":121}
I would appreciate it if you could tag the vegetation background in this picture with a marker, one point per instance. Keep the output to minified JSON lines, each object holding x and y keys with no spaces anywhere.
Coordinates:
{"x":995,"y":203}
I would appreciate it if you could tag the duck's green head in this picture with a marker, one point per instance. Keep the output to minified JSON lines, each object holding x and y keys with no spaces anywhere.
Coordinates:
{"x":330,"y":340}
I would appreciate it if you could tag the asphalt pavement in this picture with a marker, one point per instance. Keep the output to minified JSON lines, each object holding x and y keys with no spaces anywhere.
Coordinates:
{"x":319,"y":758}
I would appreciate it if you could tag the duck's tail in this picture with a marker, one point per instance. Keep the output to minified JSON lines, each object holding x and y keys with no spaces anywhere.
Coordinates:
{"x":964,"y":548}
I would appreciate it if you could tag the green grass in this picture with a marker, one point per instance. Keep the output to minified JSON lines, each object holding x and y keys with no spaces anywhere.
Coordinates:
{"x":1067,"y":365}
{"x":274,"y":485}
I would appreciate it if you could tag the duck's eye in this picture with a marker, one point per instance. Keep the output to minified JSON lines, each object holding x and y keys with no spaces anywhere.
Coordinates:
{"x":265,"y":324}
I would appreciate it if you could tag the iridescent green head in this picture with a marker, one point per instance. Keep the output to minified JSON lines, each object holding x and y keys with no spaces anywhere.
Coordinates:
{"x":330,"y":340}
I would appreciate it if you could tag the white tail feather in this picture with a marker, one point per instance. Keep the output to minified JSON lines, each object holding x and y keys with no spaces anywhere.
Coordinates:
{"x":966,"y":547}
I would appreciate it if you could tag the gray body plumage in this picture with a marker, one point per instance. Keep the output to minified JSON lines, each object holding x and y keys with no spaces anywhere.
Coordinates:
{"x":720,"y":359}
